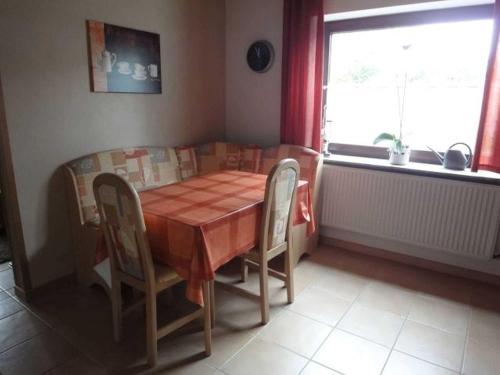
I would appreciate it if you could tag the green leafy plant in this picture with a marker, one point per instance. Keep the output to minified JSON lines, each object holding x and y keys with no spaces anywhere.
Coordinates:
{"x":396,"y":146}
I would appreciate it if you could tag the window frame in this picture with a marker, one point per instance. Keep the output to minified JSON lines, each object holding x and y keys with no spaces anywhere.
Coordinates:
{"x":464,"y":13}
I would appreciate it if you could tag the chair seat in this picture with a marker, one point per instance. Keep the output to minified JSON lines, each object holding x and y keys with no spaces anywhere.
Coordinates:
{"x":165,"y":275}
{"x":254,"y":255}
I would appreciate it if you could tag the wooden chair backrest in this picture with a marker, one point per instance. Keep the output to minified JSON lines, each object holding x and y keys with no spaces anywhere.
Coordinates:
{"x":122,"y":222}
{"x":279,"y":199}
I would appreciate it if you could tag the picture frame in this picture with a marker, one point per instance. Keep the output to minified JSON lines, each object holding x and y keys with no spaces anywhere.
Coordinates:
{"x":123,"y":60}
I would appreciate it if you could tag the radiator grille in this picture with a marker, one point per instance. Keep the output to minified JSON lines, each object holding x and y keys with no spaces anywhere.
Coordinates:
{"x":436,"y":213}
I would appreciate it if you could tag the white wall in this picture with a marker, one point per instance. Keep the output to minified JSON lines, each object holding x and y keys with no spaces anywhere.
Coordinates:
{"x":53,"y":117}
{"x":253,"y":100}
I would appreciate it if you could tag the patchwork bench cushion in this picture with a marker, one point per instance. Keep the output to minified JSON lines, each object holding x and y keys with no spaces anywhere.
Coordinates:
{"x":309,"y":161}
{"x":186,"y":155}
{"x":143,"y":167}
{"x":217,"y":156}
{"x":250,"y":156}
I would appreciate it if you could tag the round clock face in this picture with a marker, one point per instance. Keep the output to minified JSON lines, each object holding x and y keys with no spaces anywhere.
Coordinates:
{"x":260,"y":56}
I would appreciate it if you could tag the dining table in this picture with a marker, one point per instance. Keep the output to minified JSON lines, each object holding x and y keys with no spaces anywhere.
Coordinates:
{"x":197,"y":225}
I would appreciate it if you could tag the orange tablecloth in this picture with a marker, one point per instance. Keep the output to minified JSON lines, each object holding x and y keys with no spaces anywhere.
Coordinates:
{"x":197,"y":225}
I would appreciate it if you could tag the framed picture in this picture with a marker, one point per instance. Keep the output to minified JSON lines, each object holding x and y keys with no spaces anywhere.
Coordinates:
{"x":123,"y":60}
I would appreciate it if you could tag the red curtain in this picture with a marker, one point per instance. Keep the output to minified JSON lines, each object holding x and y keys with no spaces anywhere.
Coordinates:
{"x":302,"y":90}
{"x":487,"y":155}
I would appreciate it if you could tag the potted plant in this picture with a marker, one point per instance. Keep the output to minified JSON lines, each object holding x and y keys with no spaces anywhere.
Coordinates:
{"x":399,"y":152}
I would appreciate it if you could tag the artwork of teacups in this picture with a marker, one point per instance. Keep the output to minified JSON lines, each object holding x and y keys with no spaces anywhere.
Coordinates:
{"x":139,"y":72}
{"x":153,"y":70}
{"x":123,"y":59}
{"x":107,"y":61}
{"x":124,"y":67}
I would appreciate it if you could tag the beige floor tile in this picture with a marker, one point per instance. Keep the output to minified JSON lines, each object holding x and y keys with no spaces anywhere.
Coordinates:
{"x":3,"y":295}
{"x":327,"y":282}
{"x":485,"y":326}
{"x":94,"y":336}
{"x":431,"y":344}
{"x":351,"y":355}
{"x":400,"y":363}
{"x":481,"y":358}
{"x":443,"y":314}
{"x":264,"y":358}
{"x":387,"y":297}
{"x":313,"y":368}
{"x":296,"y":332}
{"x":342,"y":284}
{"x":320,"y":305}
{"x":9,"y":306}
{"x":78,"y":366}
{"x":243,"y":313}
{"x":188,"y":368}
{"x":191,"y":369}
{"x":7,"y":279}
{"x":312,"y":269}
{"x":180,"y":349}
{"x":277,"y":292}
{"x":375,"y":325}
{"x":17,"y":328}
{"x":4,"y":266}
{"x":36,"y":356}
{"x":226,"y":342}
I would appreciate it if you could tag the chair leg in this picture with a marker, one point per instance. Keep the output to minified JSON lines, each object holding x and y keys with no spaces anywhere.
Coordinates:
{"x":289,"y":276}
{"x":264,"y":291}
{"x":212,"y":302}
{"x":207,"y":325}
{"x":116,"y":304}
{"x":151,"y":329}
{"x":244,"y":269}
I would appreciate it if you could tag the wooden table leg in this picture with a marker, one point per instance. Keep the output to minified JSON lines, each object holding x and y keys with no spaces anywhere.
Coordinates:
{"x":212,"y":302}
{"x":206,"y":318}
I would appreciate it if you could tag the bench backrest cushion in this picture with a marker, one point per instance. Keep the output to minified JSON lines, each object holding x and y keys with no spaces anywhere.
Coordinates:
{"x":250,"y":156}
{"x":143,"y":167}
{"x":216,"y":156}
{"x":309,"y":161}
{"x":186,"y":155}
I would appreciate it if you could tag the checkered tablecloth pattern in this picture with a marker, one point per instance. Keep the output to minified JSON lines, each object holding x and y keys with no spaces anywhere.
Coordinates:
{"x":199,"y":224}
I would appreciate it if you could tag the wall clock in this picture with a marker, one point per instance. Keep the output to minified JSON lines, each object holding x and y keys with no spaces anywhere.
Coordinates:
{"x":260,"y":56}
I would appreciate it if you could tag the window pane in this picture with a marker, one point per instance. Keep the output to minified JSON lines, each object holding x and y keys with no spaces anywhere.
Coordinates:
{"x":443,"y":66}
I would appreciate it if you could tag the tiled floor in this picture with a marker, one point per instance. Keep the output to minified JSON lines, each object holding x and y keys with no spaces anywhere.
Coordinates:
{"x":353,"y":314}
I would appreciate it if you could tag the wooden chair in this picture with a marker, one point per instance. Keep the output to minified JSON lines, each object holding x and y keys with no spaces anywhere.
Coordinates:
{"x":122,"y":223}
{"x":275,"y":232}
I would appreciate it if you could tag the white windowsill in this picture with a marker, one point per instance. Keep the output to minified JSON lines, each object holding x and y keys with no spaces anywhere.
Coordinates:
{"x":420,"y":169}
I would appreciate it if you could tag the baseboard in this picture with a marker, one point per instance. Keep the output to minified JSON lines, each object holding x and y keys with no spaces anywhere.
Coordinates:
{"x":412,"y":260}
{"x":22,"y":294}
{"x":63,"y":280}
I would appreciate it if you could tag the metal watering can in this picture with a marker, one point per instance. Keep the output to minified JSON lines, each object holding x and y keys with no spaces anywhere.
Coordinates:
{"x":454,"y":159}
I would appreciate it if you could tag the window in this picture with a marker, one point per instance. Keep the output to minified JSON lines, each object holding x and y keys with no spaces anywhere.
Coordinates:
{"x":426,"y":69}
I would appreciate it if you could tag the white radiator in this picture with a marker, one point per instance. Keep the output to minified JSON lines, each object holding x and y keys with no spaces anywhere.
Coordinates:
{"x":440,"y":214}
